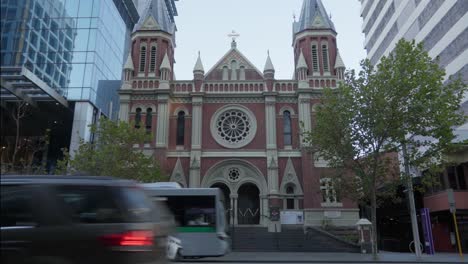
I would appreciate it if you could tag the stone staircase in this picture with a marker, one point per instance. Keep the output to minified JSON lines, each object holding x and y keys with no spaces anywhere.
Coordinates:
{"x":291,"y":239}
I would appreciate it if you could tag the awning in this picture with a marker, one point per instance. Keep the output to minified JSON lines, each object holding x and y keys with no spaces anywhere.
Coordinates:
{"x":20,"y":84}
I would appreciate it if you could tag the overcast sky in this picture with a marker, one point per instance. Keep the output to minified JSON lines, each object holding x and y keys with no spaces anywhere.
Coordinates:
{"x":203,"y":25}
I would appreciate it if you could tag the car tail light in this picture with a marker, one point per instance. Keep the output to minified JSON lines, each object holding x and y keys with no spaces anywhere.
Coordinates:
{"x":131,"y":238}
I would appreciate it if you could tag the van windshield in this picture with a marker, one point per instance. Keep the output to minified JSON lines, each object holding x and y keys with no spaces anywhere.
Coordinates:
{"x":194,"y":211}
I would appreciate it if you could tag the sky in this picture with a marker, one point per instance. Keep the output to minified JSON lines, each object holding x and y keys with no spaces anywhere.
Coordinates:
{"x":203,"y":25}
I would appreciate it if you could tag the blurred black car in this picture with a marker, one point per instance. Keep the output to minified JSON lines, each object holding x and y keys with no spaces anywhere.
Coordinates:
{"x":73,"y":220}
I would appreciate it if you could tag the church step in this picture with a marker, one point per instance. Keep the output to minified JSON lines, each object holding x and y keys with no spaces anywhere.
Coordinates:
{"x":250,"y":239}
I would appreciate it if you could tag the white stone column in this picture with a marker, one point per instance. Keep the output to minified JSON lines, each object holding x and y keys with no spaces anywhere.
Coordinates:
{"x":234,"y":198}
{"x":305,"y":113}
{"x":270,"y":121}
{"x":195,"y":155}
{"x":162,"y":126}
{"x":124,"y":108}
{"x":197,"y":111}
{"x":271,"y":146}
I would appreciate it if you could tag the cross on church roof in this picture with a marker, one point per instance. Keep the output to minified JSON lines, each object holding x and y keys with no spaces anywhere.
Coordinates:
{"x":233,"y":35}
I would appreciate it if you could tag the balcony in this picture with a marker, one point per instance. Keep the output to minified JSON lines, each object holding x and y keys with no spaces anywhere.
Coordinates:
{"x":439,"y":201}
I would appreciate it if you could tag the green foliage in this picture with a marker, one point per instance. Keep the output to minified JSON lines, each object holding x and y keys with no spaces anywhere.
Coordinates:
{"x":401,"y":102}
{"x":112,"y":153}
{"x":379,"y":110}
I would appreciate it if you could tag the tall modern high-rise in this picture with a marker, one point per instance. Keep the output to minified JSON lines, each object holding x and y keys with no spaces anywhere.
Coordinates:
{"x":442,"y":26}
{"x":65,"y":58}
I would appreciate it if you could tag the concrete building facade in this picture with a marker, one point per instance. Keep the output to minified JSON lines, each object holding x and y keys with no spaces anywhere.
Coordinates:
{"x":442,"y":26}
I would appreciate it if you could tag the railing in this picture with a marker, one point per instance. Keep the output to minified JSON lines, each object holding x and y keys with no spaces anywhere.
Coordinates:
{"x":285,"y":86}
{"x":233,"y":87}
{"x":182,"y":87}
{"x":322,"y":82}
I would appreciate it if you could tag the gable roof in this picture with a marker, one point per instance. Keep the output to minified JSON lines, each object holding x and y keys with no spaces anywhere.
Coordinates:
{"x":234,"y":54}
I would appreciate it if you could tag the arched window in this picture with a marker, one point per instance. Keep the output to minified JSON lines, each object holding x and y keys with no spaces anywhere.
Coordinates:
{"x":180,"y":128}
{"x":242,"y":73}
{"x":326,"y":66}
{"x":138,"y":117}
{"x":289,"y":200}
{"x":234,"y":70}
{"x":225,"y":73}
{"x":142,"y":58}
{"x":149,"y":119}
{"x":315,"y":63}
{"x":153,"y":59}
{"x":287,"y":130}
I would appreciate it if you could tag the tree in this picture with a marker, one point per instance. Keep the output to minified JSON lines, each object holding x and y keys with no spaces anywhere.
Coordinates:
{"x":20,"y":152}
{"x":401,"y":102}
{"x":113,"y":154}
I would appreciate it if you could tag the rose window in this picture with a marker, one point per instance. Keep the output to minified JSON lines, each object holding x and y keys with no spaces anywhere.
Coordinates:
{"x":233,"y":126}
{"x":233,"y":174}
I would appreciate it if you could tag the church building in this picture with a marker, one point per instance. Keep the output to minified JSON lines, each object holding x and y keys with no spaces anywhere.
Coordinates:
{"x":235,"y":126}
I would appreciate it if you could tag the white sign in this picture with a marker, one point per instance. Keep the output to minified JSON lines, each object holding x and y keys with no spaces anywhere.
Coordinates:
{"x":332,"y":214}
{"x":292,"y":217}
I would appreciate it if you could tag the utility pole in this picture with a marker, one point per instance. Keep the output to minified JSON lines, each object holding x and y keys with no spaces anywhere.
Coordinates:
{"x":414,"y":219}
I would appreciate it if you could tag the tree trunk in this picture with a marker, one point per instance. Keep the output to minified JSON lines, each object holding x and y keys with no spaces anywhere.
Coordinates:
{"x":374,"y":219}
{"x":15,"y":151}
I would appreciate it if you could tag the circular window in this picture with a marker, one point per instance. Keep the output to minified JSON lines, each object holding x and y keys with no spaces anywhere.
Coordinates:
{"x":233,"y":126}
{"x":233,"y":174}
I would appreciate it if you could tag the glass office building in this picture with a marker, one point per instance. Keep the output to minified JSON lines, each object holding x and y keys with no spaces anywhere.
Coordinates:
{"x":74,"y":46}
{"x":65,"y":52}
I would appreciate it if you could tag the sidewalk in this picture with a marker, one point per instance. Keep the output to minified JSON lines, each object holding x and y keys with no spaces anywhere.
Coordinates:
{"x":305,"y":257}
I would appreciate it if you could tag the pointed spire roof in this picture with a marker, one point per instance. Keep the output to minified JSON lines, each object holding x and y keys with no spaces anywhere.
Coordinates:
{"x":155,"y":17}
{"x":339,"y":61}
{"x":129,"y":63}
{"x":198,"y":65}
{"x":301,"y":63}
{"x":165,"y":63}
{"x":268,"y":64}
{"x":313,"y":16}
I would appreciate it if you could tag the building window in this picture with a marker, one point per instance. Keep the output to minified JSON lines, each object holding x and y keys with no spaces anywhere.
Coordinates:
{"x":242,"y":73}
{"x":153,"y":59}
{"x":329,"y":194}
{"x":180,"y":128}
{"x":290,"y":201}
{"x":287,"y":130}
{"x":315,"y":63}
{"x":326,"y":66}
{"x":149,"y":119}
{"x":225,"y":73}
{"x":234,"y":70}
{"x":142,"y":58}
{"x":138,"y":118}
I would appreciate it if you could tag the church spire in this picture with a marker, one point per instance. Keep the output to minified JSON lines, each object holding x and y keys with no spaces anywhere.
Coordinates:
{"x":313,"y":16}
{"x":155,"y":17}
{"x":268,"y":65}
{"x":198,"y":65}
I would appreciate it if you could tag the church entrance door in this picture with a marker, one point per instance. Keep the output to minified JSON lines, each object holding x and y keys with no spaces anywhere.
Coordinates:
{"x":225,"y":199}
{"x":248,"y":212}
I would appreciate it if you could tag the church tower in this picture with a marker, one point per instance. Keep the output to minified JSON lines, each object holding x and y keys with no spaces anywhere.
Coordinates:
{"x":148,"y":72}
{"x":153,"y":43}
{"x":314,"y":36}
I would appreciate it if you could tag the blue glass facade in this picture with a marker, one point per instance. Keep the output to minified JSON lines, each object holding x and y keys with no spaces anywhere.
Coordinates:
{"x":72,"y":45}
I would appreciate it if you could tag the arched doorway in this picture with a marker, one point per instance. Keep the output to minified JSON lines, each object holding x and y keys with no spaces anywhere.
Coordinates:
{"x":226,"y":194}
{"x":248,"y":212}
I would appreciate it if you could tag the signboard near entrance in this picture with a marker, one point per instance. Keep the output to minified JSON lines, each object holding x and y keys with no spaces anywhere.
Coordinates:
{"x":292,"y":217}
{"x":274,"y":214}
